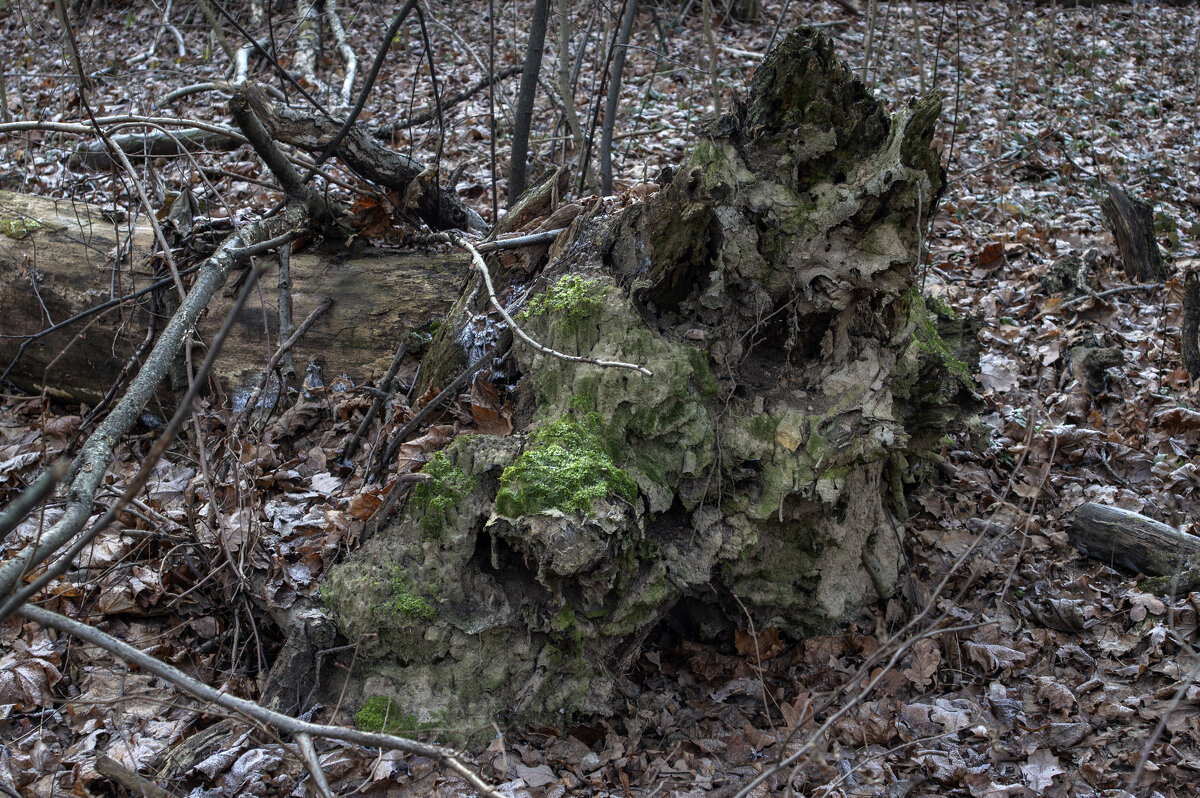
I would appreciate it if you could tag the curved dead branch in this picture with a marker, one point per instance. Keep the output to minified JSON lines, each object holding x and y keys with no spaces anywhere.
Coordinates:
{"x":250,"y":709}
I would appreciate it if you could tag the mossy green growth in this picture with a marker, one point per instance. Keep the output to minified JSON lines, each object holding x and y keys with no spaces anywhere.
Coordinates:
{"x":566,"y":630}
{"x":437,"y":497}
{"x":568,"y":467}
{"x":19,"y":228}
{"x":763,"y":427}
{"x":573,"y":300}
{"x":926,"y":334}
{"x":405,"y":602}
{"x":382,"y":714}
{"x":702,"y":376}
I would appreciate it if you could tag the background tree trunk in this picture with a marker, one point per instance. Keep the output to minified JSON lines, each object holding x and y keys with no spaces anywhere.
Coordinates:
{"x":798,"y":381}
{"x":524,"y":112}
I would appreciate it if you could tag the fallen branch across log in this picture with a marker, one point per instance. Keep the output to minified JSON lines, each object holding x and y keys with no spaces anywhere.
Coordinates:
{"x":93,"y":460}
{"x":382,"y":295}
{"x":95,"y":155}
{"x":437,"y":206}
{"x":1131,"y":541}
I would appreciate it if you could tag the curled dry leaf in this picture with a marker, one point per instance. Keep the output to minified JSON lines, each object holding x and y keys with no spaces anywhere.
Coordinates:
{"x":991,"y":656}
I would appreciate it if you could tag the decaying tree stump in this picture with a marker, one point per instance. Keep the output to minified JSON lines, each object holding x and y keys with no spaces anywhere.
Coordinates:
{"x":798,"y":379}
{"x":1132,"y":223}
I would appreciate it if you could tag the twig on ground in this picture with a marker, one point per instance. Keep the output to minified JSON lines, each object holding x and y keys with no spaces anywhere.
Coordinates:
{"x":283,"y":349}
{"x":1079,"y":300}
{"x":544,"y":237}
{"x":285,"y":306}
{"x":384,"y":394}
{"x":250,"y":709}
{"x":434,"y":403}
{"x":313,"y":764}
{"x":136,"y":783}
{"x":347,"y":52}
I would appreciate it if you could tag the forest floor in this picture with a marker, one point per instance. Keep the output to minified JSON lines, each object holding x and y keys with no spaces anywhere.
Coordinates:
{"x":1029,"y":670}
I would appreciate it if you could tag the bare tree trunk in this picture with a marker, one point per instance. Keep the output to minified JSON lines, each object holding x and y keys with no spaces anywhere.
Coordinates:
{"x":524,"y":115}
{"x":614,"y":98}
{"x":565,"y":88}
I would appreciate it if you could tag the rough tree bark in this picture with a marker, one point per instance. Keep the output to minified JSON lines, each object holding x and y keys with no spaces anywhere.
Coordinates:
{"x":1132,"y":223}
{"x":798,"y":381}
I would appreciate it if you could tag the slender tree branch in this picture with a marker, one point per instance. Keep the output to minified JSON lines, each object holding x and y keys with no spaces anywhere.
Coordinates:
{"x":250,"y":709}
{"x":448,"y":102}
{"x":385,"y":394}
{"x":24,"y":504}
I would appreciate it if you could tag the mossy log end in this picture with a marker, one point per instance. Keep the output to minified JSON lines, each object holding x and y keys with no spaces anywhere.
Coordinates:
{"x":797,"y":374}
{"x":1125,"y":539}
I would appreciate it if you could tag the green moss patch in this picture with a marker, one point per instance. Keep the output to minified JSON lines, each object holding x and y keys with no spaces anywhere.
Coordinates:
{"x":929,"y":341}
{"x":382,"y":714}
{"x":437,"y":497}
{"x":19,"y":228}
{"x":568,"y":467}
{"x":572,"y":299}
{"x":405,"y":602}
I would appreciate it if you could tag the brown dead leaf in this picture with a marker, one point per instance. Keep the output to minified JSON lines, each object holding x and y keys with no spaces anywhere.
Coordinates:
{"x":797,"y":712}
{"x":62,"y":427}
{"x":1144,"y":604}
{"x":991,"y":257}
{"x":926,"y":658}
{"x":1040,"y":769}
{"x":363,"y":504}
{"x":492,"y":416}
{"x":763,"y":645}
{"x":992,"y":656}
{"x":25,"y":680}
{"x":416,"y":453}
{"x":1054,"y":693}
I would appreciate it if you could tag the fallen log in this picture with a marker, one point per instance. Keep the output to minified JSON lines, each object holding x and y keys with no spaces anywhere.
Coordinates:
{"x":56,"y":262}
{"x":159,"y":144}
{"x":1130,"y":541}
